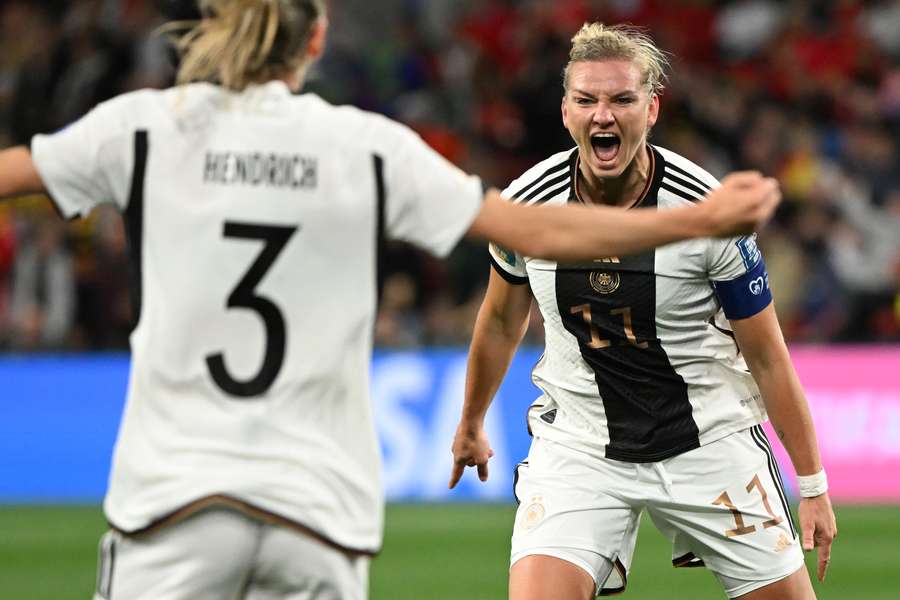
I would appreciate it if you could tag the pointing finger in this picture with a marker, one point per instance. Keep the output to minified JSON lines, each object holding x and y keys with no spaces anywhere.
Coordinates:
{"x":455,"y":474}
{"x":824,"y":558}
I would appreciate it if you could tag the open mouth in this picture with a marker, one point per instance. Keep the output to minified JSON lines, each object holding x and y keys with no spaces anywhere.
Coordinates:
{"x":605,"y":145}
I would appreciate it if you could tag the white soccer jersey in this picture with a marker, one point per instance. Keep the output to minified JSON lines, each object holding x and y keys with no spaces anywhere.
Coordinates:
{"x":254,"y":221}
{"x":640,"y":364}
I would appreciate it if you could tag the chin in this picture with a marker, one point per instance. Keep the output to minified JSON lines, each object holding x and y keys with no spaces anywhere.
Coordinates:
{"x":608,"y":171}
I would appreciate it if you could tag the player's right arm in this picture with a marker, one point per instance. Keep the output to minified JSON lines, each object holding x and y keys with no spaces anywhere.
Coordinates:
{"x":743,"y":202}
{"x":499,"y":328}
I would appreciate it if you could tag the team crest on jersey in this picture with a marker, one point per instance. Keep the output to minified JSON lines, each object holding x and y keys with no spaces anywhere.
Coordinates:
{"x":783,"y":543}
{"x":605,"y":283}
{"x":750,"y":253}
{"x":534,"y":513}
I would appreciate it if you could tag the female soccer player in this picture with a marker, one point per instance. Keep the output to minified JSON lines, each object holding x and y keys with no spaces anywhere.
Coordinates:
{"x":247,"y":463}
{"x":647,"y":401}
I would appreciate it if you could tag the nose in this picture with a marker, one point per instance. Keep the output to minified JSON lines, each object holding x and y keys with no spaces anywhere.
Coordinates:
{"x":603,"y":115}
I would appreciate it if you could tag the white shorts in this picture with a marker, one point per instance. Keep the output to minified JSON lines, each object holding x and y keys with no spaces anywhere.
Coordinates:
{"x":721,"y":505}
{"x":222,"y":553}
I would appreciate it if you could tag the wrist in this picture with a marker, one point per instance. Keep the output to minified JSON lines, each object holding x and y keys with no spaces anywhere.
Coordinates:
{"x":810,"y":486}
{"x":471,"y":422}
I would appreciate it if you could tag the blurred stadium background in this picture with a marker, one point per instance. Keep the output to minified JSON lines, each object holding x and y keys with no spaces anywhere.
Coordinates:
{"x":808,"y":91}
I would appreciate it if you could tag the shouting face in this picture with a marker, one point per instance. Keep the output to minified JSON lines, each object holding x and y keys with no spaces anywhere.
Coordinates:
{"x":608,"y":112}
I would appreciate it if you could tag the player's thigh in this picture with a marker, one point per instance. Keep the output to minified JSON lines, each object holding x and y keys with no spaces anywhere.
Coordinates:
{"x":727,"y":510}
{"x":542,"y":577}
{"x":291,"y":565}
{"x":206,"y":556}
{"x":796,"y":586}
{"x":569,"y":510}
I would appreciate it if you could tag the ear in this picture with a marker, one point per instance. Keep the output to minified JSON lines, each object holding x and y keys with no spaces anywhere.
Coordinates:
{"x":565,"y":111}
{"x":316,"y":46}
{"x":653,"y":111}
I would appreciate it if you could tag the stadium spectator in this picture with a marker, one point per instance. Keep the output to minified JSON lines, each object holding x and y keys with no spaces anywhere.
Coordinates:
{"x":43,"y":298}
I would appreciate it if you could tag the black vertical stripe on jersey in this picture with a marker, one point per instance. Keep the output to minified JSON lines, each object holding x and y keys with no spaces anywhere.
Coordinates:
{"x":649,"y":416}
{"x":380,"y":235}
{"x":134,"y":223}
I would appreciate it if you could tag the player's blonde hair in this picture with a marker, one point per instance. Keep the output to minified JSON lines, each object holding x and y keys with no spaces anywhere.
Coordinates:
{"x":596,"y":41}
{"x":239,"y":42}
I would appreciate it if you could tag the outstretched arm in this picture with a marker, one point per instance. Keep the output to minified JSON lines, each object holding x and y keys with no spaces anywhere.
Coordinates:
{"x":499,"y":327}
{"x":742,"y":203}
{"x":18,"y":175}
{"x":762,"y":344}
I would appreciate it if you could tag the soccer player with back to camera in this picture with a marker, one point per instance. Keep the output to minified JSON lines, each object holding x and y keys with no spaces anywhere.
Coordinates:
{"x":648,"y":402}
{"x":247,"y":462}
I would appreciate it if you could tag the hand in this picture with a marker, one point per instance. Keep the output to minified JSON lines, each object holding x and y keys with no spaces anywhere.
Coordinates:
{"x":818,"y":529}
{"x":471,"y":448}
{"x":743,"y":203}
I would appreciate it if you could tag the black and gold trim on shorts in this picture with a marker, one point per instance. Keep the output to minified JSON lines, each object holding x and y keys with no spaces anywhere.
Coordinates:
{"x":688,"y":560}
{"x":524,"y":463}
{"x":106,"y":562}
{"x":620,"y":568}
{"x":254,"y":512}
{"x":762,"y":441}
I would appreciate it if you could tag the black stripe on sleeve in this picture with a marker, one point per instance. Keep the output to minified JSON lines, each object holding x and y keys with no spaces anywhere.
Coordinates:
{"x":552,"y":192}
{"x":554,"y":169}
{"x":700,"y":190}
{"x":134,"y":223}
{"x":546,"y":185}
{"x":678,"y":192}
{"x":689,"y":175}
{"x":759,"y":438}
{"x":380,"y":235}
{"x":509,"y":277}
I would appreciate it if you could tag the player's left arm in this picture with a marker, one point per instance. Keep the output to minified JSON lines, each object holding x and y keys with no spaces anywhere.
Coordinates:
{"x":762,"y":344}
{"x":18,"y":174}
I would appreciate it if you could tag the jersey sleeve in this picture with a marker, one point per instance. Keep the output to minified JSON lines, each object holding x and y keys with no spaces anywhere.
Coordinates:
{"x":508,"y":264}
{"x":429,"y":201}
{"x":739,"y":277}
{"x":88,"y":162}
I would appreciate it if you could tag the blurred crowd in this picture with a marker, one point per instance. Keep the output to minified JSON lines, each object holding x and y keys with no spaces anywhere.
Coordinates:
{"x":808,"y":91}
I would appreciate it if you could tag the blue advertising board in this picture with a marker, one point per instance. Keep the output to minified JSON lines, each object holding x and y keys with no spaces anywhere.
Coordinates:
{"x":60,"y":415}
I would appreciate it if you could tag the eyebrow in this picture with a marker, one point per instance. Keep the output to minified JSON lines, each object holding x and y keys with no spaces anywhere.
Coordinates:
{"x":617,"y":94}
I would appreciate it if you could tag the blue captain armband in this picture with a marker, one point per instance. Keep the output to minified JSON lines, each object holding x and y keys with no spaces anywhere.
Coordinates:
{"x":747,"y":295}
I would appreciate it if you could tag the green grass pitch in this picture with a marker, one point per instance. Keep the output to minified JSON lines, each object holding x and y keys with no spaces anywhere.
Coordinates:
{"x":433,"y":552}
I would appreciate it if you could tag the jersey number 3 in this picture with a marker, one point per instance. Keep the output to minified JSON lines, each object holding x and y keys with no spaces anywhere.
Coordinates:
{"x":244,"y":296}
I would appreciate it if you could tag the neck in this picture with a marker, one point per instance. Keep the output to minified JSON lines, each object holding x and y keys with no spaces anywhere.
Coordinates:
{"x":295,"y":79}
{"x":624,"y":190}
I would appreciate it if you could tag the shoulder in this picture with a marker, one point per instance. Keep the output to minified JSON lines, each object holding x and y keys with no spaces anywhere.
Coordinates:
{"x":683,"y":178}
{"x":130,"y":108}
{"x":552,"y":171}
{"x":355,"y":124}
